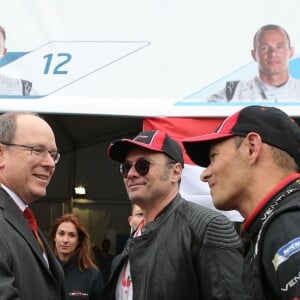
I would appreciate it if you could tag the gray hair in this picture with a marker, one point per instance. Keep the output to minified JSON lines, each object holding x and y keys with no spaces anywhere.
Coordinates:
{"x":8,"y":125}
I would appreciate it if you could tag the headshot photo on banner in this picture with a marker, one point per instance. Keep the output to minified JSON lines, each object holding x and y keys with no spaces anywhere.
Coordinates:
{"x":272,"y":77}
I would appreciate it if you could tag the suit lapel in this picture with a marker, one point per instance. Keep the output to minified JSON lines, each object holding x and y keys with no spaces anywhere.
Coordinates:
{"x":16,"y":219}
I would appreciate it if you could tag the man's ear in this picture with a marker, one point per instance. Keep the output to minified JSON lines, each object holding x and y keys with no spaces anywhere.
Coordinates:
{"x":253,"y":54}
{"x":292,"y":51}
{"x":254,"y":143}
{"x":177,"y":171}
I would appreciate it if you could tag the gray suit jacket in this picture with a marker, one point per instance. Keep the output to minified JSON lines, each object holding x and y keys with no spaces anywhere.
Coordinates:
{"x":24,"y":273}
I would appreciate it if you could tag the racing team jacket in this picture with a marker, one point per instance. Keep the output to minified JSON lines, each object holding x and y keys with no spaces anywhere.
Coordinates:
{"x":187,"y":252}
{"x":272,"y":232}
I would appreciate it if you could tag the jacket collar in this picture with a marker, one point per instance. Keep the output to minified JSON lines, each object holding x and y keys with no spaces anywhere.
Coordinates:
{"x":270,"y":202}
{"x":164,"y":214}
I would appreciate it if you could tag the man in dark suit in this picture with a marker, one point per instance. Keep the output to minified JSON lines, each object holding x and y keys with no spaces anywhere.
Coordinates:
{"x":28,"y":154}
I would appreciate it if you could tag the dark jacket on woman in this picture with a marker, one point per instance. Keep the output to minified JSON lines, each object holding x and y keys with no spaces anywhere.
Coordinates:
{"x":86,"y":285}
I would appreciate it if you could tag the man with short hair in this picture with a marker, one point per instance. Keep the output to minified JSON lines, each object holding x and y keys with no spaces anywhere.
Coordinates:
{"x":180,"y":250}
{"x":252,"y":165}
{"x":272,"y":51}
{"x":28,"y":154}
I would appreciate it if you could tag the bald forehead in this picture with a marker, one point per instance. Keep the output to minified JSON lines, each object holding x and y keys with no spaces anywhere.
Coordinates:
{"x":31,"y":126}
{"x":30,"y":120}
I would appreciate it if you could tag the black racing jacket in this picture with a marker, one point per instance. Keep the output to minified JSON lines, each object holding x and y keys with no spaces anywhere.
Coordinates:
{"x":272,"y":245}
{"x":187,"y":252}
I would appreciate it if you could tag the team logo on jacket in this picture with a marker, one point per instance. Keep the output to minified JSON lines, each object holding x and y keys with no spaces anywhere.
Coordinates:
{"x":76,"y":293}
{"x":285,"y":252}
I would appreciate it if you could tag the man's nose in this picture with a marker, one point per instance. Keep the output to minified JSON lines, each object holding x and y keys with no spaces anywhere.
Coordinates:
{"x":205,"y":174}
{"x":273,"y":51}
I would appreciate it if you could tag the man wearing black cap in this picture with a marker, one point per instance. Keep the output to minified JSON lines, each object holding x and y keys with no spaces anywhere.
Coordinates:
{"x":181,"y":250}
{"x":252,"y":165}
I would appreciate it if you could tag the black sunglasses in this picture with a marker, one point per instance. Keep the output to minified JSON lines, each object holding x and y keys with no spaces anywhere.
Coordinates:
{"x":142,"y":166}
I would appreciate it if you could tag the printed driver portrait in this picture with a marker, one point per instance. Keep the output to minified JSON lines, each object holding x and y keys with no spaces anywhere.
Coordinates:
{"x":272,"y":51}
{"x":9,"y":85}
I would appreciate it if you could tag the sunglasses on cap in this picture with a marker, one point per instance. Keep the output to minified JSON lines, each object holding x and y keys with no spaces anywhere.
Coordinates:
{"x":142,"y":166}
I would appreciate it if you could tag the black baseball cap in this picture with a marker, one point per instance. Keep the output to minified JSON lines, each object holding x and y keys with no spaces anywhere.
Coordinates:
{"x":274,"y":126}
{"x":154,"y":140}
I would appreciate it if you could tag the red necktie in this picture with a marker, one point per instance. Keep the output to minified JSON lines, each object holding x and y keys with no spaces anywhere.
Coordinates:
{"x":31,"y":220}
{"x":33,"y":226}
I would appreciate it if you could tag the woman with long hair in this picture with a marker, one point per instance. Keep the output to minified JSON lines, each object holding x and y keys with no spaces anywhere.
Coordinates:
{"x":71,"y":244}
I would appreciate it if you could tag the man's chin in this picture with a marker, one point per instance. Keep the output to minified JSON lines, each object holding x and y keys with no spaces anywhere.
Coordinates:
{"x":221,"y":205}
{"x":38,"y":195}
